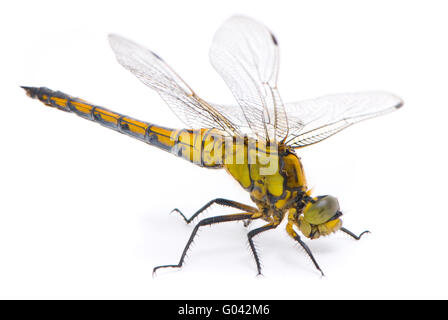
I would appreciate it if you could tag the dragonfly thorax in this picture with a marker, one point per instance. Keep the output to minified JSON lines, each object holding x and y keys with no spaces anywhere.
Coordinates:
{"x":273,"y":174}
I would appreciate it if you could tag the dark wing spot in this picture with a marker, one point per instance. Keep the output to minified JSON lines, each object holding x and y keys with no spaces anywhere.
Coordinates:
{"x":274,"y":39}
{"x":398,"y":106}
{"x":157,"y":56}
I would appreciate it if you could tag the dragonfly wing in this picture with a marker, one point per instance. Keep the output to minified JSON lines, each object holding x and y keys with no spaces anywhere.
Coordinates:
{"x":159,"y":76}
{"x":245,"y":54}
{"x":312,"y":121}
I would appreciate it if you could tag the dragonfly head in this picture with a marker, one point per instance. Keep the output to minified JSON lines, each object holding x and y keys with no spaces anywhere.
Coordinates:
{"x":321,"y":216}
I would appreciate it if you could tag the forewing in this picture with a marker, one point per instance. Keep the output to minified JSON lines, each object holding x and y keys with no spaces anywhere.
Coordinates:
{"x":312,"y":121}
{"x":156,"y":74}
{"x":245,"y":54}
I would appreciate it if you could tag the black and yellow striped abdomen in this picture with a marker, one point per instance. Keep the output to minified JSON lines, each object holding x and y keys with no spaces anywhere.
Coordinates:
{"x":185,"y":143}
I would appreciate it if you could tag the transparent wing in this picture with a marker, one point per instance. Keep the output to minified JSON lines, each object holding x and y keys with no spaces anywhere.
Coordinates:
{"x":156,"y":74}
{"x":312,"y":121}
{"x":245,"y":54}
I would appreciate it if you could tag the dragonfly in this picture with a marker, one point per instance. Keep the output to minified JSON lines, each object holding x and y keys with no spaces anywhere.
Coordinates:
{"x":255,"y":140}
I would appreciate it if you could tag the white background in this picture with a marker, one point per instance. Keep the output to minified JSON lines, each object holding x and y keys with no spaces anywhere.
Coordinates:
{"x":84,"y":211}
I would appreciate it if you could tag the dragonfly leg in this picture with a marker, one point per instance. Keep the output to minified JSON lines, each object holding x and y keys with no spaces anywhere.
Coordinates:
{"x":296,"y":237}
{"x":253,"y":233}
{"x":246,"y":223}
{"x":206,"y":222}
{"x":354,"y":236}
{"x":219,"y":201}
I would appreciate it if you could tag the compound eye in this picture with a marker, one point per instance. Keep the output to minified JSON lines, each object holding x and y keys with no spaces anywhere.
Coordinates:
{"x":322,"y":210}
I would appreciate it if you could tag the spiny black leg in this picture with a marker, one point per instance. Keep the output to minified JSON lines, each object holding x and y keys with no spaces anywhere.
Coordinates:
{"x":219,"y":201}
{"x":253,"y":233}
{"x":205,"y":222}
{"x":354,"y":236}
{"x":308,"y":251}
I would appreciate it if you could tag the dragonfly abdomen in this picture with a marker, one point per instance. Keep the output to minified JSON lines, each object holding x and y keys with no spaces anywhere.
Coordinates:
{"x":188,"y":144}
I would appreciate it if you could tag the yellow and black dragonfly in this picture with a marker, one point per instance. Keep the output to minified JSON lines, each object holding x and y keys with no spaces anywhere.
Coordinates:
{"x":255,"y":141}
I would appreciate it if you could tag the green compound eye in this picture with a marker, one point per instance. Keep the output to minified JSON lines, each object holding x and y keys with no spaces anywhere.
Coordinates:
{"x":321,"y":211}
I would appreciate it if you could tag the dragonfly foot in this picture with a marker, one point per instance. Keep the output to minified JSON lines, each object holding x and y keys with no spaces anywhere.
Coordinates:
{"x":362,"y":233}
{"x":354,"y":236}
{"x":183,"y":216}
{"x":165,"y":266}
